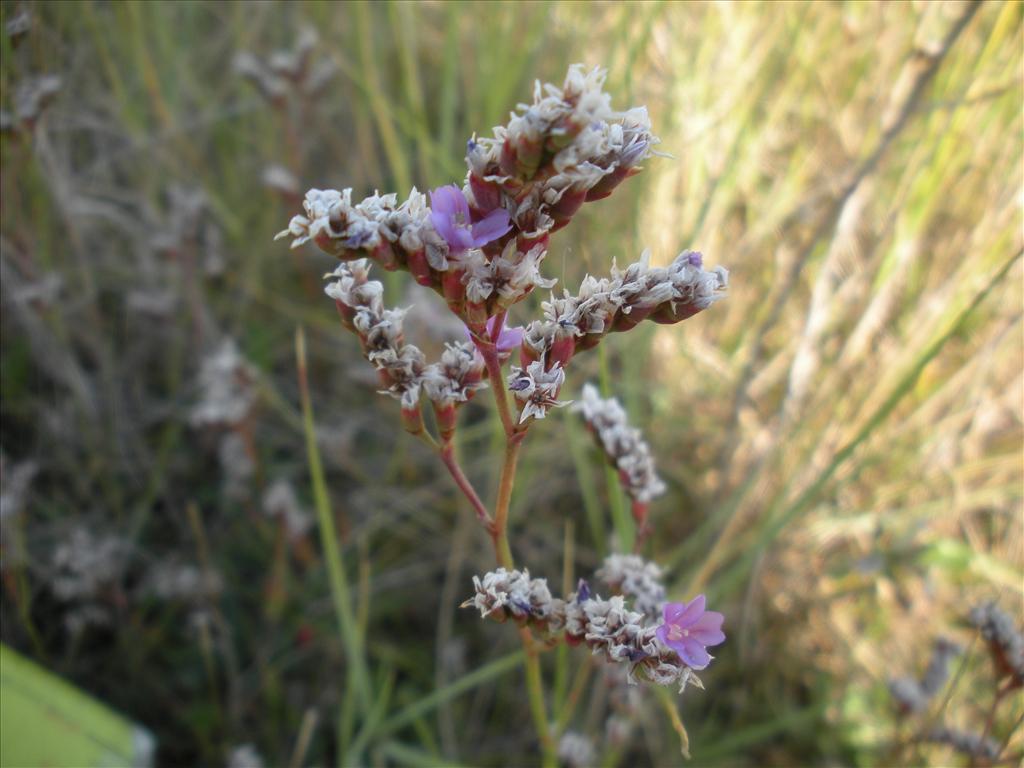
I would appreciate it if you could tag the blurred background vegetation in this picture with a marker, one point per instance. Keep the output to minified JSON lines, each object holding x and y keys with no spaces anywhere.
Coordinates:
{"x":842,"y":436}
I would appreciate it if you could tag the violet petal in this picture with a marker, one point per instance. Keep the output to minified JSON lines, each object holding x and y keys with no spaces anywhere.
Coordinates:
{"x":461,"y":240}
{"x":510,"y":338}
{"x":672,"y":611}
{"x":693,"y":653}
{"x":694,"y":610}
{"x":662,"y":634}
{"x":491,"y":227}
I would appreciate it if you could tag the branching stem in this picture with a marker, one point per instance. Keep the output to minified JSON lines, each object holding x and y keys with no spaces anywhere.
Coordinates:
{"x":498,"y":528}
{"x":447,"y":453}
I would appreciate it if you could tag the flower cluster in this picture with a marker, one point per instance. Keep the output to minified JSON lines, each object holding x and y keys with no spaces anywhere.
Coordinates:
{"x":503,"y":595}
{"x":15,"y":480}
{"x":438,"y":246}
{"x":913,"y":695}
{"x":287,"y":71}
{"x":665,"y":654}
{"x":402,"y":368}
{"x":527,"y":181}
{"x":15,"y":487}
{"x":182,"y":582}
{"x":83,"y":564}
{"x":481,"y":247}
{"x":637,"y":578}
{"x":33,"y":96}
{"x":567,"y":148}
{"x":85,"y":570}
{"x":576,"y":750}
{"x":573,"y":323}
{"x":971,"y":744}
{"x":245,"y":756}
{"x":536,"y":389}
{"x":663,"y":294}
{"x":1005,"y":641}
{"x":227,"y":383}
{"x":625,"y":448}
{"x":281,"y":503}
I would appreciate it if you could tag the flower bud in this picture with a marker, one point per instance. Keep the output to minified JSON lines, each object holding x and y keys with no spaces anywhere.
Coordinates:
{"x":625,"y":321}
{"x":486,"y":194}
{"x":670,"y":315}
{"x":385,"y":255}
{"x":446,"y":420}
{"x":527,"y":242}
{"x":562,"y":349}
{"x":566,"y":207}
{"x":508,"y":161}
{"x":475,"y":315}
{"x":412,"y":418}
{"x":529,"y":152}
{"x":609,"y":182}
{"x":420,"y":268}
{"x":346,"y":313}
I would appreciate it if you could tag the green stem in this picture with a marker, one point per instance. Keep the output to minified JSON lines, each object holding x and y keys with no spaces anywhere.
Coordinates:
{"x":500,"y":531}
{"x":534,"y":682}
{"x":535,"y":691}
{"x":625,"y":529}
{"x":358,"y":679}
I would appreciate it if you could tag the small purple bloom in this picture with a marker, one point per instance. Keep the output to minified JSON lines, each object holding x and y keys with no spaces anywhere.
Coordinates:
{"x":582,"y":591}
{"x":688,"y":629}
{"x":696,"y":258}
{"x":519,"y":384}
{"x":449,"y":213}
{"x":507,"y":340}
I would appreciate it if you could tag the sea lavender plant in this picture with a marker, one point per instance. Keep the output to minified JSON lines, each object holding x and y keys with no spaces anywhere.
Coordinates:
{"x":481,"y":247}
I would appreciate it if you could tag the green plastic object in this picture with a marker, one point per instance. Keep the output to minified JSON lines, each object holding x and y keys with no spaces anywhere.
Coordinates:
{"x":45,"y":722}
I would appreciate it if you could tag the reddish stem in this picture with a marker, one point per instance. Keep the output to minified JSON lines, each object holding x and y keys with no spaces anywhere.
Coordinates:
{"x":452,"y":463}
{"x":489,"y":352}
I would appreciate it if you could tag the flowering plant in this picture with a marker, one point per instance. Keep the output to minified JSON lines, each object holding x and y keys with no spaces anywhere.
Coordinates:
{"x":481,"y":248}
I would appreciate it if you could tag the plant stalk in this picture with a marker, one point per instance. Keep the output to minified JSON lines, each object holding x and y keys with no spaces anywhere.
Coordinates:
{"x":447,"y":452}
{"x":534,"y":682}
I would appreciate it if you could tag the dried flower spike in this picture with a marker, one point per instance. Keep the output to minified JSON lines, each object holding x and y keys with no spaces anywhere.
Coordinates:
{"x":1005,"y":641}
{"x":625,"y":448}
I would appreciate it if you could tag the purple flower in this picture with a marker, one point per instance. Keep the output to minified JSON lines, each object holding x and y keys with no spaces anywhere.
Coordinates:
{"x":688,"y":629}
{"x":449,"y":213}
{"x":507,"y":340}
